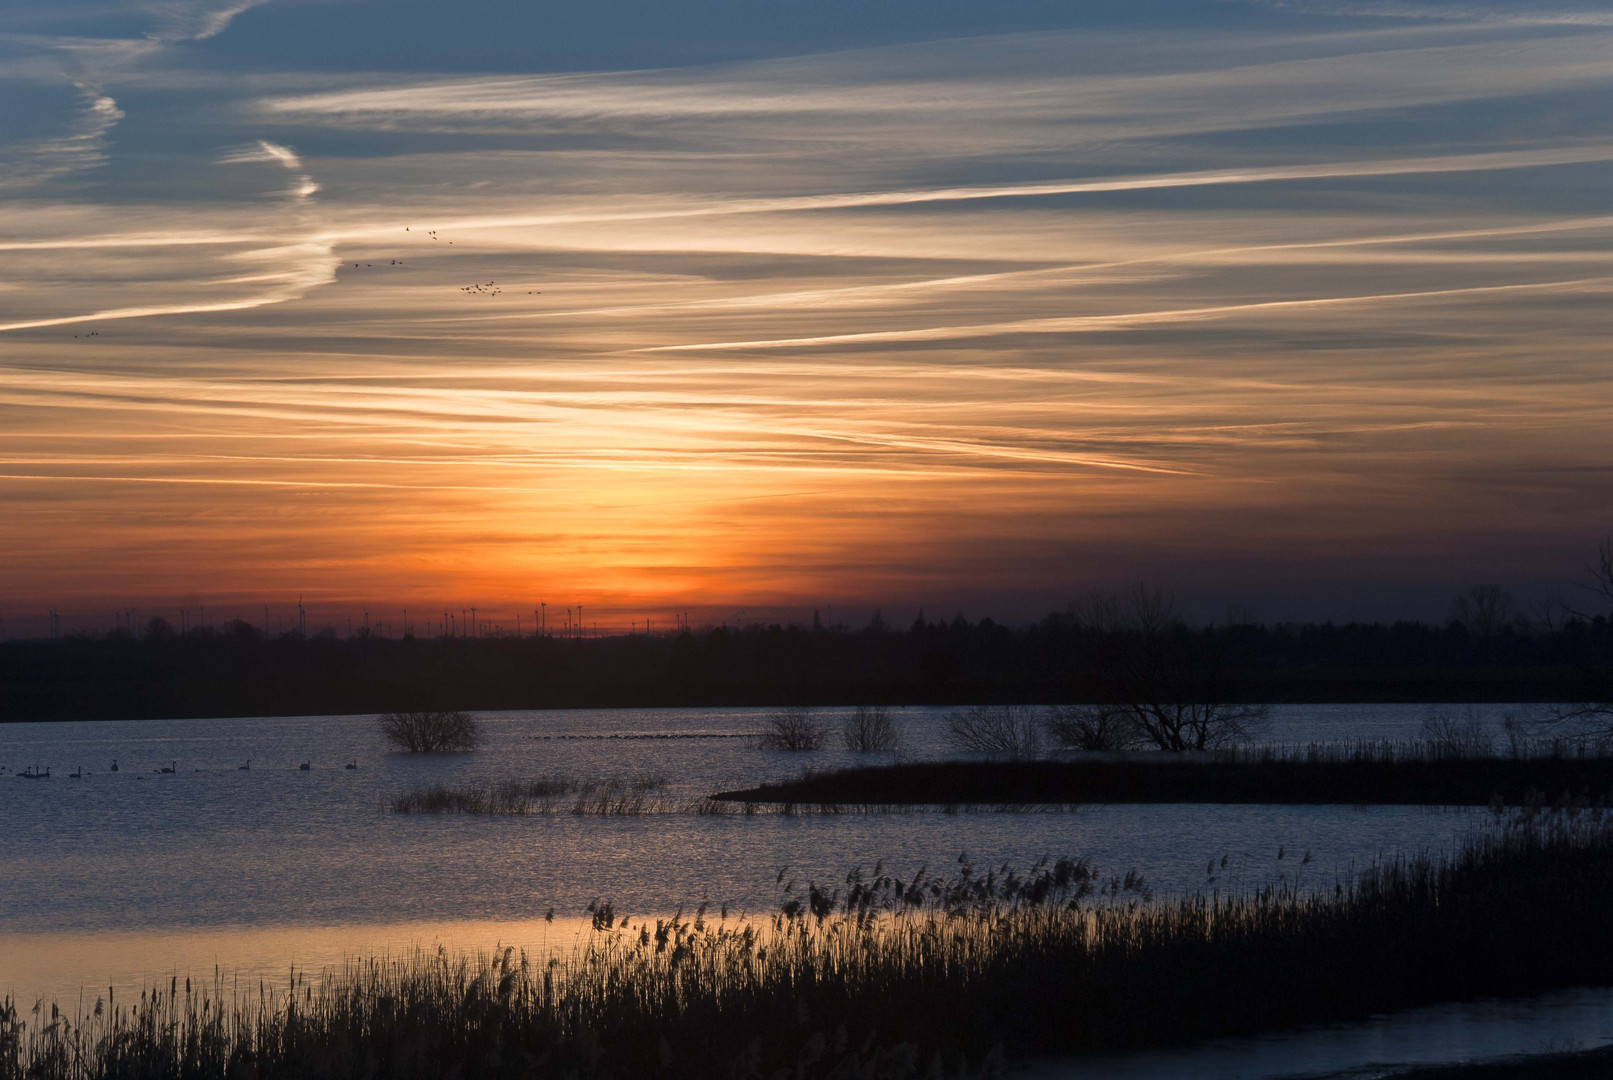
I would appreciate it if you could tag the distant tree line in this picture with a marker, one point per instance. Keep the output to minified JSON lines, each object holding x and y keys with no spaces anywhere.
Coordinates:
{"x":1130,"y":651}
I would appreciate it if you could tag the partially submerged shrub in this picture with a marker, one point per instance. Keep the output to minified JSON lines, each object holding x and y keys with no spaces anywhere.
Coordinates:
{"x":1449,"y":736}
{"x":869,"y":729}
{"x":1002,"y":730}
{"x":1092,"y":727}
{"x":794,"y":729}
{"x":431,"y":732}
{"x":1540,"y":732}
{"x":1175,"y":685}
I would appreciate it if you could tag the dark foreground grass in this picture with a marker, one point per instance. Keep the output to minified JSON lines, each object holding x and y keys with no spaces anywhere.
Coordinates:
{"x":1573,"y":1065}
{"x":881,"y":977}
{"x":1355,"y":776}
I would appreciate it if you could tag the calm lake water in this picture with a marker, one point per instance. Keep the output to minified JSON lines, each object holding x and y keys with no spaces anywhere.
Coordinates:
{"x":130,"y":877}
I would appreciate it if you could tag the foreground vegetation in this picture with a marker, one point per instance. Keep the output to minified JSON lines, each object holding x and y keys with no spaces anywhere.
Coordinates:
{"x":1569,"y":1065}
{"x":881,"y":977}
{"x":1377,"y":773}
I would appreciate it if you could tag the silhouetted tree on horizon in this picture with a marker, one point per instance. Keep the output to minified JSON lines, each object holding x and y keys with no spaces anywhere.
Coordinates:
{"x":1158,"y":676}
{"x":1576,"y":629}
{"x":1485,"y":610}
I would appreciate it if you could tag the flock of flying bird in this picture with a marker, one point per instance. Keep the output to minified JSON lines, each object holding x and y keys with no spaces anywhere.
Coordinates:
{"x":480,"y":288}
{"x":489,"y":288}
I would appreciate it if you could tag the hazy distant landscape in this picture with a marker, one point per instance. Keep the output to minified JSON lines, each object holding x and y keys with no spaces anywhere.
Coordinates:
{"x":236,"y":670}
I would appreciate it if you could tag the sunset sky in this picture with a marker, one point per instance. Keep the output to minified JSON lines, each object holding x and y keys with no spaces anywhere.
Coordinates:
{"x":751,"y":307}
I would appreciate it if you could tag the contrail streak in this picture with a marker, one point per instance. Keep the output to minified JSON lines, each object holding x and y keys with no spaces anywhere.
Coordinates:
{"x":1077,"y":323}
{"x":1506,"y":159}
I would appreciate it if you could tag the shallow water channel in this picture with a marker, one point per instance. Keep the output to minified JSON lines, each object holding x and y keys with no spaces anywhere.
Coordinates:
{"x":240,"y":863}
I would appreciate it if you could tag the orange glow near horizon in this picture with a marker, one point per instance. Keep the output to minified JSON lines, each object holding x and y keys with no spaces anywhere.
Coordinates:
{"x":832,"y":337}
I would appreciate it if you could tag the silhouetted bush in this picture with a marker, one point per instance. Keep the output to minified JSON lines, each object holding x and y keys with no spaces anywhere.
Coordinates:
{"x":1092,"y":727}
{"x":1171,"y":684}
{"x":869,"y":729}
{"x":431,"y":732}
{"x":794,"y":729}
{"x":1448,"y":735}
{"x":1002,"y":730}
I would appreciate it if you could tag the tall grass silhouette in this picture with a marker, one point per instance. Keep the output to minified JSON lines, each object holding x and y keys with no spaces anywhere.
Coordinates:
{"x":877,"y":976}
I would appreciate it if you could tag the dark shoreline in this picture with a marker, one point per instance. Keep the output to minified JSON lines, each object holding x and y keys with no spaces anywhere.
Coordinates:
{"x":1145,"y":778}
{"x":238,"y":671}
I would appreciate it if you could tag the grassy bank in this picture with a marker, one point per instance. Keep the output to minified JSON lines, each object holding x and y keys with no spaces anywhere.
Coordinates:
{"x":881,"y":977}
{"x":1353,"y":776}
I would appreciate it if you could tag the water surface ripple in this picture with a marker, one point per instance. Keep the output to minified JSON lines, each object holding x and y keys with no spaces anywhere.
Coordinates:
{"x":129,"y":874}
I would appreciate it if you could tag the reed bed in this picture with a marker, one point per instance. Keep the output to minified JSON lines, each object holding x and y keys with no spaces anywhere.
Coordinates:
{"x":636,"y":795}
{"x":641,"y":736}
{"x":628,"y":799}
{"x":880,"y":977}
{"x":1463,"y":746}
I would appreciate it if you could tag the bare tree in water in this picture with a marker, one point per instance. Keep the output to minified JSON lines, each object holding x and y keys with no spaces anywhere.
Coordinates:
{"x":430,"y":731}
{"x":1011,"y":731}
{"x":869,"y":729}
{"x":1156,"y":676}
{"x":1092,"y":727}
{"x":795,"y":729}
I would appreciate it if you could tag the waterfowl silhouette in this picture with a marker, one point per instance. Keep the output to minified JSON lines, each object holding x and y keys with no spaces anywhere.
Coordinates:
{"x":173,"y":766}
{"x":351,"y":764}
{"x":77,"y":773}
{"x":114,"y":764}
{"x":304,"y":767}
{"x":245,"y":768}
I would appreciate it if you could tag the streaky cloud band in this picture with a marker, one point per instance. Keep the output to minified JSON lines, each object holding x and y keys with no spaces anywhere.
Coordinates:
{"x":1454,"y":163}
{"x":1078,"y":323}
